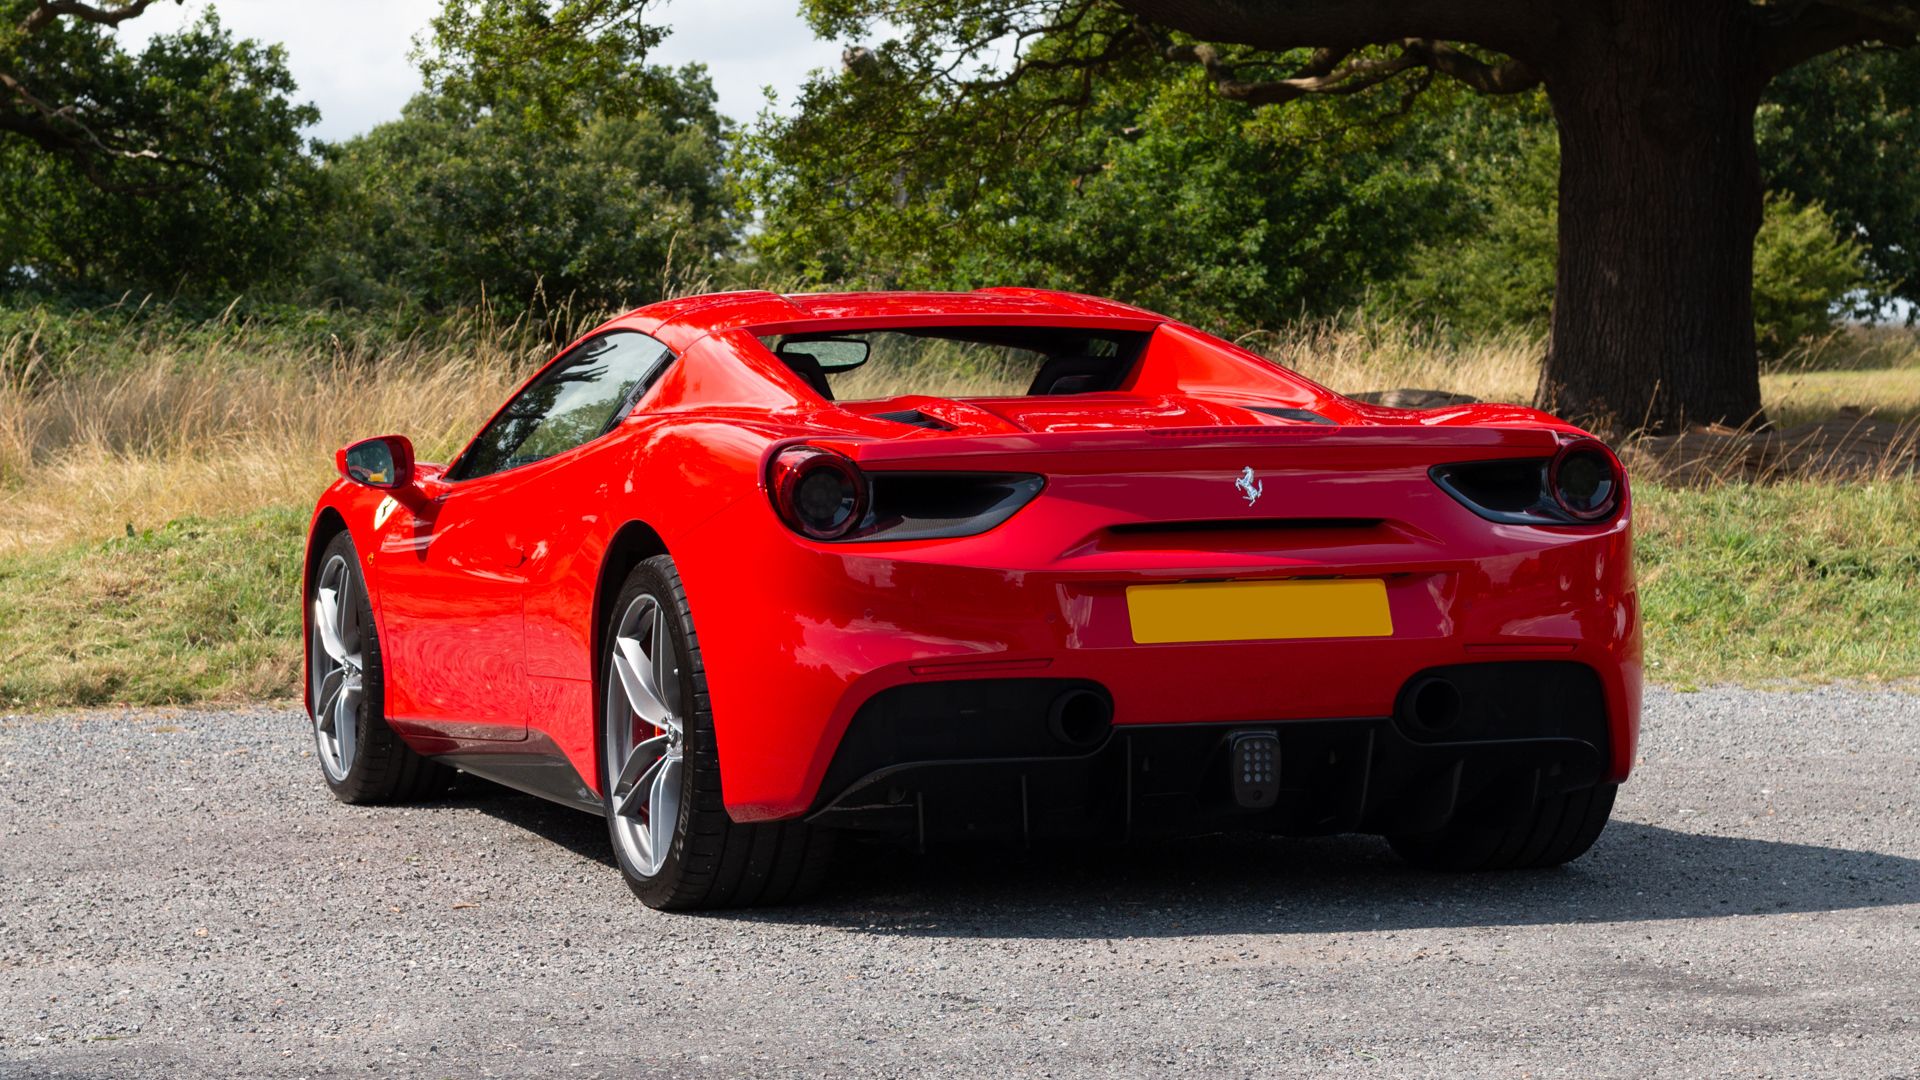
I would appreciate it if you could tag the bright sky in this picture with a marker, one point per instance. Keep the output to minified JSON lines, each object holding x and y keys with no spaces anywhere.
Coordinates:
{"x":350,"y":56}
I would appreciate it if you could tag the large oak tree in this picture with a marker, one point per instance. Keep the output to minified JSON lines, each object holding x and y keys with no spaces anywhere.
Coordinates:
{"x":1660,"y":192}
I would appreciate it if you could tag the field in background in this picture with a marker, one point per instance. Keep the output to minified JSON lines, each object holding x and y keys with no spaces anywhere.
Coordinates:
{"x":138,"y":423}
{"x":1869,"y":369}
{"x":154,"y":480}
{"x":136,"y":428}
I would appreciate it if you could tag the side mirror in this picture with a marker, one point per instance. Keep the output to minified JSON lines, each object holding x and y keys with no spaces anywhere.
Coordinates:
{"x":384,"y":461}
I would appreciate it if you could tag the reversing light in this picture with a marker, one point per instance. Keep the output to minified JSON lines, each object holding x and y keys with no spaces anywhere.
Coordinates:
{"x":1584,"y":480}
{"x":818,"y":493}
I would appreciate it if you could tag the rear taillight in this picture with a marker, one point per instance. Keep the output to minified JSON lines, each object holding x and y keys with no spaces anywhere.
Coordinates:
{"x":1585,"y":480}
{"x":823,"y":495}
{"x":1581,"y":484}
{"x":818,"y":493}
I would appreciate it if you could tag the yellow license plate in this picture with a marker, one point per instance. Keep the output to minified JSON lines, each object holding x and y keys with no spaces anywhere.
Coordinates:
{"x":1259,"y":610}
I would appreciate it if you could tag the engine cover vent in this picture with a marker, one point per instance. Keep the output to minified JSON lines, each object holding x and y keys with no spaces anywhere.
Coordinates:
{"x":913,"y":418}
{"x":1307,"y":415}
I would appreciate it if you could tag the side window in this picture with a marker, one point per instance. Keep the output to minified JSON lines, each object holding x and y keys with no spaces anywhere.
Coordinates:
{"x":575,"y":401}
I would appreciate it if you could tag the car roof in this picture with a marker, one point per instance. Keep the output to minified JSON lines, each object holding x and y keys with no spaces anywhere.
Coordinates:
{"x":683,"y":321}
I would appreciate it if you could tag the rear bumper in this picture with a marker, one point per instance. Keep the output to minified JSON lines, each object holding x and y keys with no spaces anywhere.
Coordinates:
{"x":978,"y":758}
{"x":795,"y":650}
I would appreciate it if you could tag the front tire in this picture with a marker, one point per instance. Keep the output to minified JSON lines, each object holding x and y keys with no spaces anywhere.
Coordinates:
{"x":660,"y":768}
{"x":1559,"y":830}
{"x":361,"y":758}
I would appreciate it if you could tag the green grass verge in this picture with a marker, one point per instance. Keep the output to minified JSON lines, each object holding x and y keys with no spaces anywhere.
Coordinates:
{"x":194,"y":611}
{"x":1797,"y":581}
{"x":1738,"y":584}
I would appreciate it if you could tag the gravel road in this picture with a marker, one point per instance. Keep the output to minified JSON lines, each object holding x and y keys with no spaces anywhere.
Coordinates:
{"x":180,"y":897}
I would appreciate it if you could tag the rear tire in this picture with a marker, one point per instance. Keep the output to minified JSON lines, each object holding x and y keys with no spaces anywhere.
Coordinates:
{"x":361,"y":759}
{"x":1559,"y":830}
{"x":660,"y":766}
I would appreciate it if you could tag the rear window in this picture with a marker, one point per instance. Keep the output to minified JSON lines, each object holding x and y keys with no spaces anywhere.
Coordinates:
{"x":959,"y":362}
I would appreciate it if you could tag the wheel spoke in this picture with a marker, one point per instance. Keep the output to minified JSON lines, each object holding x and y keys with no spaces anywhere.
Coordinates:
{"x":346,"y":618}
{"x":326,"y":619}
{"x":346,"y":728}
{"x":639,"y":769}
{"x":631,"y":664}
{"x":323,"y":705}
{"x":664,"y":675}
{"x":663,"y":809}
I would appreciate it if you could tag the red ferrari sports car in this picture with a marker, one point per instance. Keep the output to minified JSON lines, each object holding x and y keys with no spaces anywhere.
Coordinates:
{"x":744,"y":572}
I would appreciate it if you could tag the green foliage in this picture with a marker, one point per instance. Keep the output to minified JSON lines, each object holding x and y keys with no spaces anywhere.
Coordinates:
{"x":1153,"y":189}
{"x":1492,"y":269}
{"x":208,"y":187}
{"x":542,"y":58}
{"x":1136,"y":180}
{"x":1802,"y":270}
{"x":547,"y":164}
{"x":549,"y":161}
{"x":1843,"y":131}
{"x":450,"y":203}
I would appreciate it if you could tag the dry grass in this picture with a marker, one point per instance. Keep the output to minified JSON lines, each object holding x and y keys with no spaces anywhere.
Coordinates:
{"x":1801,"y":397}
{"x":937,"y":368}
{"x":224,"y":430}
{"x":1856,"y":348}
{"x":1872,"y":371}
{"x":1356,"y":355}
{"x":1845,"y":407}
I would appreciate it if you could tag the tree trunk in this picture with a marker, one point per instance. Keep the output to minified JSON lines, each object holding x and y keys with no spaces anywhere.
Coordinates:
{"x":1660,"y":200}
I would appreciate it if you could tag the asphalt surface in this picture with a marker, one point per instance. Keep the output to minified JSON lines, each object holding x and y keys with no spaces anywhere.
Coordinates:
{"x":179,"y":896}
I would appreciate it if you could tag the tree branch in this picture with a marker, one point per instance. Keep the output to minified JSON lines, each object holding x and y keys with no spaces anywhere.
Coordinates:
{"x":1518,"y":28}
{"x":1796,"y":32}
{"x":1511,"y":77}
{"x":1117,"y":45}
{"x":1331,"y":71}
{"x":45,"y":11}
{"x":62,"y":129}
{"x":1890,"y":13}
{"x":1323,"y":74}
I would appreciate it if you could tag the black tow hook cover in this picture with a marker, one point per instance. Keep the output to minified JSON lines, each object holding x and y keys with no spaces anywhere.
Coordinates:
{"x":1254,"y":759}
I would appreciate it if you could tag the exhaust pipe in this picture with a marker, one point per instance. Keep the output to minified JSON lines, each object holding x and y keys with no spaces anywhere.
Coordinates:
{"x":1080,"y":719}
{"x":1431,"y":705}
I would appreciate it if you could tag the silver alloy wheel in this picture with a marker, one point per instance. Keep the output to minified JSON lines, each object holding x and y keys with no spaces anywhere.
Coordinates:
{"x":336,"y":668}
{"x":646,"y":734}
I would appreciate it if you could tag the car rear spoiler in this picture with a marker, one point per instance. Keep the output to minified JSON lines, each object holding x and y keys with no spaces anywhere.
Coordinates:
{"x":1302,"y":446}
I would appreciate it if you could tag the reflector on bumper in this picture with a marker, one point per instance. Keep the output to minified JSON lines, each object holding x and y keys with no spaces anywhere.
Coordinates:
{"x":1259,"y":610}
{"x":1253,"y":765}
